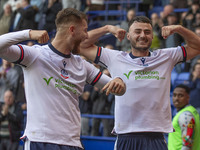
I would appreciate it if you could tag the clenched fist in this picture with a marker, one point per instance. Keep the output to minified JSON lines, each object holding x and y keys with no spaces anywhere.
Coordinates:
{"x":40,"y":35}
{"x":169,"y":30}
{"x":119,"y":33}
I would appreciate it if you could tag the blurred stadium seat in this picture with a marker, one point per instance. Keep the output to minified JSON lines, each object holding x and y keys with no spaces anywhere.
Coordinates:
{"x":120,"y":14}
{"x":182,"y":78}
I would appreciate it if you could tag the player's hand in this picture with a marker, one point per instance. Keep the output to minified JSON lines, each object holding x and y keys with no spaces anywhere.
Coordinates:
{"x":115,"y":86}
{"x":119,"y":33}
{"x":169,"y":30}
{"x":40,"y":35}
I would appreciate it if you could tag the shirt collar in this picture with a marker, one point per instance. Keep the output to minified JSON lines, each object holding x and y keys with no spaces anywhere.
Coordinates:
{"x":58,"y":52}
{"x":133,"y":57}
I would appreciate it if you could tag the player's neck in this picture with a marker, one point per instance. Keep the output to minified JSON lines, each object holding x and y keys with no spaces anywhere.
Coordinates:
{"x":61,"y":46}
{"x":138,"y":53}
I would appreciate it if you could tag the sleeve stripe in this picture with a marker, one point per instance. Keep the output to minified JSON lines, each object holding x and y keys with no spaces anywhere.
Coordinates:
{"x":98,"y":55}
{"x":22,"y":55}
{"x":96,"y":78}
{"x":99,"y":51}
{"x":184,"y":53}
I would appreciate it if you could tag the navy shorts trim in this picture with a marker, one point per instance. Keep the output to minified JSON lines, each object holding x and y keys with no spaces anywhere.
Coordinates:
{"x":141,"y":141}
{"x":50,"y":146}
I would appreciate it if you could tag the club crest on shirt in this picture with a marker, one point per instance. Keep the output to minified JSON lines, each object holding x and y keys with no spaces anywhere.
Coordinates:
{"x":64,"y":73}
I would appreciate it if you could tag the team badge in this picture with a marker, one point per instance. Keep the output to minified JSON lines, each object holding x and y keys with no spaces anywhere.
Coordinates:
{"x":64,"y":73}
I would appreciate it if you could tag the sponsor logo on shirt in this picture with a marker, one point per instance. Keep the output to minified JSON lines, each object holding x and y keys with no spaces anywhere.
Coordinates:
{"x":140,"y":75}
{"x":60,"y":83}
{"x":48,"y":81}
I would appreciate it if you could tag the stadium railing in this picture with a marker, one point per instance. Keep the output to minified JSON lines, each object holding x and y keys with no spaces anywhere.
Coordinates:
{"x":121,"y":14}
{"x":89,"y":142}
{"x":98,"y":142}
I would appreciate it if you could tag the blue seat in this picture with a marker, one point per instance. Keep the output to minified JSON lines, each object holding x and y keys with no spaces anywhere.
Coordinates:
{"x":182,"y":78}
{"x":156,"y":9}
{"x":174,"y":75}
{"x":93,"y":25}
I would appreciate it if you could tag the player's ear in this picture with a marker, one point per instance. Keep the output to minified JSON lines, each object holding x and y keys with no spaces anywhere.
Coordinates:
{"x":71,"y":29}
{"x":128,"y":36}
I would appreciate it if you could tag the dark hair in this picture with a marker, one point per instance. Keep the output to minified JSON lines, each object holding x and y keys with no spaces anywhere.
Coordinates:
{"x":195,"y":3}
{"x":197,"y":27}
{"x":69,"y":15}
{"x":183,"y":86}
{"x":193,"y":68}
{"x":28,"y":1}
{"x":142,"y":19}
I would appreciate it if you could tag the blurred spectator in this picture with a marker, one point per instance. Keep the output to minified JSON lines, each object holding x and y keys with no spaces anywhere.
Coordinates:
{"x":85,"y":105}
{"x":72,"y":4}
{"x":145,"y":6}
{"x":179,"y":3}
{"x":168,"y":9}
{"x":95,"y":5}
{"x":51,"y":8}
{"x":8,"y":79}
{"x":186,"y":122}
{"x":157,"y":24}
{"x":197,"y":20}
{"x":102,"y":106}
{"x":13,"y":4}
{"x":83,"y":5}
{"x":175,"y":39}
{"x":39,"y":19}
{"x":24,"y":16}
{"x":197,"y":58}
{"x":2,"y":3}
{"x":190,"y":2}
{"x":182,"y":17}
{"x":125,"y":45}
{"x":20,"y":91}
{"x":190,"y":17}
{"x":11,"y":117}
{"x":193,"y":62}
{"x":195,"y":87}
{"x":5,"y":19}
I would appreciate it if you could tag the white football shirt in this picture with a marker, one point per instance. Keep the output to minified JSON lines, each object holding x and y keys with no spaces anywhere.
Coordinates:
{"x":145,"y":107}
{"x":53,"y":83}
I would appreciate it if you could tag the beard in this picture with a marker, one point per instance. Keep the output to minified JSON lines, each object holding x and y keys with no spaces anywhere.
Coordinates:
{"x":76,"y":48}
{"x":141,"y":49}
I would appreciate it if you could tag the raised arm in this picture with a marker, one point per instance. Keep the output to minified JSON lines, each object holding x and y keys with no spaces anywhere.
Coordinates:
{"x":12,"y":38}
{"x":192,"y":40}
{"x":88,"y":47}
{"x":11,"y":52}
